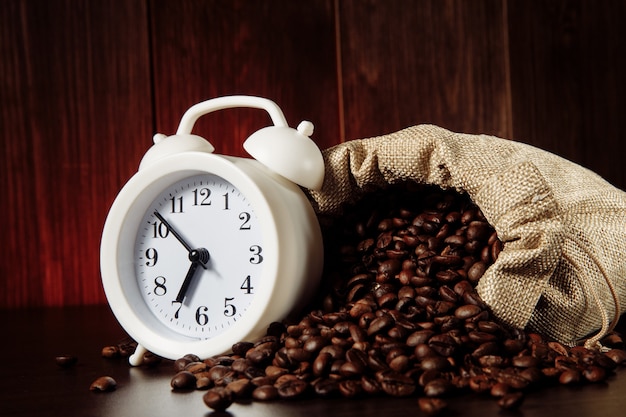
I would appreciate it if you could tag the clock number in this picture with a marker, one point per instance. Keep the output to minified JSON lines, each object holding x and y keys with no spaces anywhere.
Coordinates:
{"x":246,"y":286}
{"x":159,"y":230}
{"x":177,"y":208}
{"x":203,"y":192}
{"x":256,"y":251}
{"x":159,"y":286}
{"x":152,"y":255}
{"x":226,"y":202}
{"x":230,"y":308}
{"x":201,"y":317}
{"x":178,"y":309}
{"x":245,"y":218}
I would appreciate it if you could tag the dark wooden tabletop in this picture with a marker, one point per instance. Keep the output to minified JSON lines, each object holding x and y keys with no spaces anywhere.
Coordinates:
{"x":32,"y":384}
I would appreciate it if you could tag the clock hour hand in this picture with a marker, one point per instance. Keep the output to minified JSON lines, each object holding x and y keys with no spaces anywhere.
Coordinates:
{"x":197,"y":257}
{"x":179,"y":237}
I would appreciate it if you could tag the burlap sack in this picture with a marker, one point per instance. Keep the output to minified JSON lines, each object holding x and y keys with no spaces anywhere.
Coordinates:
{"x":561,"y":271}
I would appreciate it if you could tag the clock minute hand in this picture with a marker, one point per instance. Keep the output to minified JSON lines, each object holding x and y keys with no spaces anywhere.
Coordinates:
{"x":173,"y":231}
{"x":177,"y":236}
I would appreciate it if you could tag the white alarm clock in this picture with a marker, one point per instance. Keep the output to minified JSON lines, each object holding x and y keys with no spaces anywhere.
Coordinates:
{"x":200,"y":251}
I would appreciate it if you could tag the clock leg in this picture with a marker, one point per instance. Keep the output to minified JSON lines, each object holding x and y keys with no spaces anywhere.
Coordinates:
{"x":136,"y":358}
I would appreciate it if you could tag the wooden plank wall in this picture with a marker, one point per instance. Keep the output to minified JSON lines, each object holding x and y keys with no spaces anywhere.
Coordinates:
{"x":84,"y":84}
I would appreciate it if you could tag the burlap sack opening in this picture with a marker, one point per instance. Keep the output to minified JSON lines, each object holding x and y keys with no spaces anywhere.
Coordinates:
{"x":560,"y":272}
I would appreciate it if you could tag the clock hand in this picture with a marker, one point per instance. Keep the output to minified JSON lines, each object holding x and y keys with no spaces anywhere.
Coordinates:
{"x":173,"y":231}
{"x":183,"y":289}
{"x":180,"y":238}
{"x":197,"y":257}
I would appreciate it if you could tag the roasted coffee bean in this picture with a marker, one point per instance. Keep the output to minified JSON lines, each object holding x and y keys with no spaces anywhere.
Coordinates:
{"x":499,"y":390}
{"x":110,"y":352}
{"x":66,"y":361}
{"x":594,"y":374}
{"x":437,"y":387}
{"x":435,"y":363}
{"x":104,"y":384}
{"x":476,"y":271}
{"x":350,"y":388}
{"x":569,"y":376}
{"x":524,"y":361}
{"x":481,"y":383}
{"x":380,"y":324}
{"x":291,"y":388}
{"x":183,"y":380}
{"x":218,"y":398}
{"x":191,"y":357}
{"x":467,"y":311}
{"x":431,"y":406}
{"x":240,"y":388}
{"x":395,"y":384}
{"x":240,"y":348}
{"x":265,"y":393}
{"x":617,"y":355}
{"x":196,"y":367}
{"x":510,"y":401}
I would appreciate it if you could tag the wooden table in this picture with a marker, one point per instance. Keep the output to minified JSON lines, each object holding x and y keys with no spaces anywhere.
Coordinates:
{"x":32,"y":384}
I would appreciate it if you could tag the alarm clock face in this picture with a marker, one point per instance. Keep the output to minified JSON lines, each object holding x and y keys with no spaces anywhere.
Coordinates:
{"x":199,"y":255}
{"x":201,"y":251}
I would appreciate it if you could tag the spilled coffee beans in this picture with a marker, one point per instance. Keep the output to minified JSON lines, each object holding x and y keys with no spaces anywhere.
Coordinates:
{"x":398,"y":315}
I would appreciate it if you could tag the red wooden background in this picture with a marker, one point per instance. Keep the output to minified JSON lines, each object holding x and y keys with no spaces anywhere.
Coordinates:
{"x":84,"y":84}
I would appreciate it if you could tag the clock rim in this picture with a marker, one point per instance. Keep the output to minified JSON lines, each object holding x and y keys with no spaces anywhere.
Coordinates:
{"x":120,"y":232}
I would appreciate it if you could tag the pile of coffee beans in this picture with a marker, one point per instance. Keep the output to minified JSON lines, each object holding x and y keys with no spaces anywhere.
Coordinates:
{"x":398,"y":315}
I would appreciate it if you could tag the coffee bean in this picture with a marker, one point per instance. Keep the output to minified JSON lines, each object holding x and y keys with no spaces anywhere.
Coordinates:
{"x":569,"y":376}
{"x":380,"y":324}
{"x":511,"y":401}
{"x":467,"y":311}
{"x":240,"y":348}
{"x":617,"y":355}
{"x":240,"y":388}
{"x":350,"y":388}
{"x":594,"y":374}
{"x":218,"y":398}
{"x":431,"y":406}
{"x":524,"y":361}
{"x":436,"y":363}
{"x":110,"y":352}
{"x":499,"y":390}
{"x":103,"y":384}
{"x":183,"y":380}
{"x":395,"y":384}
{"x":437,"y":387}
{"x":291,"y":388}
{"x":476,"y":271}
{"x":481,"y":383}
{"x":66,"y":361}
{"x":265,"y":393}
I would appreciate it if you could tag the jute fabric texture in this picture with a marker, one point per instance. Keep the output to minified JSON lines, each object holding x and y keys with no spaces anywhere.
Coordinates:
{"x":561,"y":271}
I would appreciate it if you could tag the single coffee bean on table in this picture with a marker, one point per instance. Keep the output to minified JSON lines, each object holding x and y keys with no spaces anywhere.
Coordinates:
{"x":103,"y":384}
{"x":66,"y":361}
{"x":397,"y":314}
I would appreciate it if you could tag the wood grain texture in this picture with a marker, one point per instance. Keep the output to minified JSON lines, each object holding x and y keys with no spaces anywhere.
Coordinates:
{"x":75,"y":99}
{"x":412,"y":62}
{"x":85,"y":83}
{"x":282,"y":50}
{"x":567,"y":80}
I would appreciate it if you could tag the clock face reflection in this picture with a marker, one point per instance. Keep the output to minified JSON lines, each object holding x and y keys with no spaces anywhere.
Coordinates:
{"x":199,"y":256}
